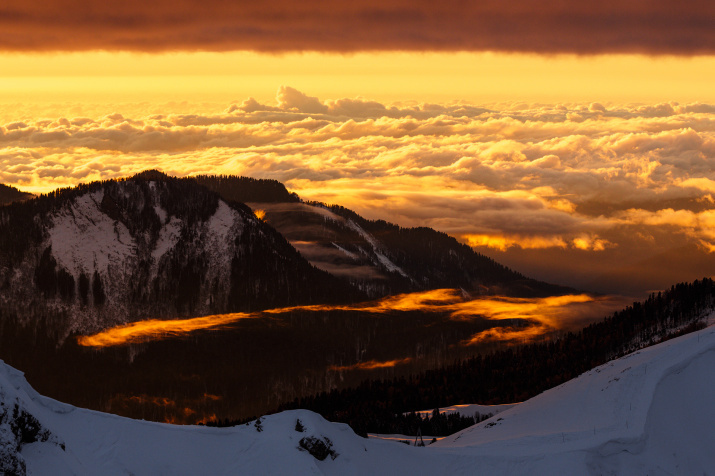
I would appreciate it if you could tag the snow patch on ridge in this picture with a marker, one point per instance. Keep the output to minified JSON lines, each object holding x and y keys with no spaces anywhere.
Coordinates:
{"x":224,"y":224}
{"x":392,"y":267}
{"x":384,"y":260}
{"x":346,"y":252}
{"x":220,"y":233}
{"x":168,"y":237}
{"x":160,"y":212}
{"x":84,"y":239}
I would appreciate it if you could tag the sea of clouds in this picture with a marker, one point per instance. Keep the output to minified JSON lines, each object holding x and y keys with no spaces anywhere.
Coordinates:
{"x":545,"y":188}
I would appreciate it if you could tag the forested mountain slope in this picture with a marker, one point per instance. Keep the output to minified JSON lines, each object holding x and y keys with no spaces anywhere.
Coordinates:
{"x":625,"y":417}
{"x":117,"y":251}
{"x":11,"y":194}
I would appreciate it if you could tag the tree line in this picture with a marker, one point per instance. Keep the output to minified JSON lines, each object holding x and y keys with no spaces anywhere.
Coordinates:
{"x":516,"y":373}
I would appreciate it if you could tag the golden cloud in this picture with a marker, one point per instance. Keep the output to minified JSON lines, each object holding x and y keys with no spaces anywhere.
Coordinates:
{"x":370,"y":365}
{"x":700,"y":225}
{"x":513,"y":178}
{"x":452,"y":302}
{"x":504,"y":242}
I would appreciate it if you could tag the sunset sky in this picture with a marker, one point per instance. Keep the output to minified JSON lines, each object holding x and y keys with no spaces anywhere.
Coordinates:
{"x":572,"y":141}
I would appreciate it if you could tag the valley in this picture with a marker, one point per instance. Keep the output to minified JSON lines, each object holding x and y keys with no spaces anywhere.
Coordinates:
{"x":165,"y":299}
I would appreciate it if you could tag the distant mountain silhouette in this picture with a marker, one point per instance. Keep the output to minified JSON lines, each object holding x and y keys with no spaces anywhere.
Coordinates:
{"x":10,"y":194}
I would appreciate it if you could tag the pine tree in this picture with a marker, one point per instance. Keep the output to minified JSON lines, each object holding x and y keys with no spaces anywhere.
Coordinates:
{"x":98,"y":289}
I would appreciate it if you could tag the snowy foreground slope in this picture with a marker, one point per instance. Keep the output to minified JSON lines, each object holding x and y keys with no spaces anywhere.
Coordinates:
{"x":650,"y":412}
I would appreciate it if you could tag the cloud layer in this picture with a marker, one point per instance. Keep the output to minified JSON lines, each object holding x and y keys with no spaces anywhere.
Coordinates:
{"x":550,"y":26}
{"x":563,"y":192}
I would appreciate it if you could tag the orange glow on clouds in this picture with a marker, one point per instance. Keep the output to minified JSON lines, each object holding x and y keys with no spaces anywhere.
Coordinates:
{"x":699,"y":225}
{"x":152,"y":329}
{"x":568,"y":166}
{"x":538,"y":316}
{"x":544,"y":311}
{"x":151,"y":400}
{"x":498,"y":308}
{"x":502,"y":243}
{"x":435,"y":300}
{"x":206,"y":420}
{"x":370,"y":365}
{"x":260,"y":214}
{"x":587,"y":243}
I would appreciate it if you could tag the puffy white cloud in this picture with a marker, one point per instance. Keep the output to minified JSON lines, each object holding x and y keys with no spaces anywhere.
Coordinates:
{"x":291,"y":99}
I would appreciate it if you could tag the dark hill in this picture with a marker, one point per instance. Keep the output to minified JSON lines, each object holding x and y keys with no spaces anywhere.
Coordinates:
{"x":10,"y":194}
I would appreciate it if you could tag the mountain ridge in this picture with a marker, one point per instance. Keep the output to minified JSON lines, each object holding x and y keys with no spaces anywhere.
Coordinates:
{"x":9,"y":194}
{"x":152,"y":245}
{"x":147,"y":248}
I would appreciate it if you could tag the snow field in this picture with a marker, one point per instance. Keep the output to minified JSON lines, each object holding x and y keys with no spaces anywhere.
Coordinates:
{"x":650,"y":412}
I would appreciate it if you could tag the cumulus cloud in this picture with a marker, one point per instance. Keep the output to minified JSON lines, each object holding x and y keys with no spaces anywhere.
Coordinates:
{"x":518,"y":181}
{"x":700,"y":225}
{"x":658,"y":26}
{"x":291,"y":99}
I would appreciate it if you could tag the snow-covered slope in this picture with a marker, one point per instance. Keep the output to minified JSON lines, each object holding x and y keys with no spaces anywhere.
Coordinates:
{"x":84,"y":442}
{"x":120,"y":238}
{"x":648,"y":413}
{"x":83,"y":238}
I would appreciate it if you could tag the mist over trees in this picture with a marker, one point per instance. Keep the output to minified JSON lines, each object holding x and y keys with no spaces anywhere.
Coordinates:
{"x":516,"y":373}
{"x":263,"y":270}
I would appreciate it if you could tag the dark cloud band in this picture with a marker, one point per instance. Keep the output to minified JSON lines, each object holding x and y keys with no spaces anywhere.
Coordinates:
{"x":550,"y":26}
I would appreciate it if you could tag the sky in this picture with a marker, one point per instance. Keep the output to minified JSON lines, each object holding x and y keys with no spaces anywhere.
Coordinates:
{"x":572,"y":141}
